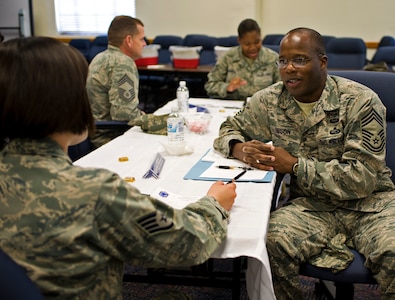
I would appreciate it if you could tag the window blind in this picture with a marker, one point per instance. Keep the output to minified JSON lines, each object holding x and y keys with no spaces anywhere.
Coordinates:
{"x":90,"y":16}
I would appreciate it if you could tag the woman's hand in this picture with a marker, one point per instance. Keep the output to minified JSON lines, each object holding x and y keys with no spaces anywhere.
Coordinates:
{"x":225,"y":194}
{"x":235,"y":83}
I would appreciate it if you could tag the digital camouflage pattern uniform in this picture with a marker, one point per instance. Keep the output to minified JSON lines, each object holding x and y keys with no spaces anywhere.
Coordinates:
{"x":113,"y":87}
{"x":342,"y":195}
{"x":73,"y":228}
{"x":260,"y":74}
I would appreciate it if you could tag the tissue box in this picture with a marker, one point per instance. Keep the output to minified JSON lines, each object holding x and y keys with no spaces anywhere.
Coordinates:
{"x":149,"y":56}
{"x":185,"y":57}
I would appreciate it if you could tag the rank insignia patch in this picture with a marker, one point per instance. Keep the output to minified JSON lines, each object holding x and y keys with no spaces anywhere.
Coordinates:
{"x":373,"y":135}
{"x":155,"y":222}
{"x":126,"y":88}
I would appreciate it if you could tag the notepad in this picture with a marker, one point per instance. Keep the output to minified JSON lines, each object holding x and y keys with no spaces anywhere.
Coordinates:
{"x":207,"y":169}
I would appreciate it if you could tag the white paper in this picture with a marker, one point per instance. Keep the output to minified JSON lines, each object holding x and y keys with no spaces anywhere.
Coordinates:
{"x":175,"y":200}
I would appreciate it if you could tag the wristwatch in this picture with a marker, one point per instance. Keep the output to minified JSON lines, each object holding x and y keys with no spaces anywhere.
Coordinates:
{"x":295,"y":168}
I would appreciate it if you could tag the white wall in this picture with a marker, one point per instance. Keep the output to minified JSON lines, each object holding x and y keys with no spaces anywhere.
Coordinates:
{"x":367,"y":19}
{"x":343,"y":18}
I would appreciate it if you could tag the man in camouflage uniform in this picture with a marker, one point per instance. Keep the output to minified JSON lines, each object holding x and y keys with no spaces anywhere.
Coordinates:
{"x":329,"y":133}
{"x":73,"y":228}
{"x":245,"y":69}
{"x":113,"y":80}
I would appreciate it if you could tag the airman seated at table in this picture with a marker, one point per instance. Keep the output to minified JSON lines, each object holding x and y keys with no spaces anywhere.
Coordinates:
{"x":73,"y":228}
{"x":113,"y":79}
{"x":244,"y":69}
{"x":329,"y":133}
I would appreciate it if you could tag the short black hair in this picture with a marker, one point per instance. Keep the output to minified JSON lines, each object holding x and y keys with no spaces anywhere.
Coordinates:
{"x":248,"y":25}
{"x":42,"y":89}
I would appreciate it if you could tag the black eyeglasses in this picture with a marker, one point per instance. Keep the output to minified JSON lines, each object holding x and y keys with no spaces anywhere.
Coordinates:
{"x":297,"y":62}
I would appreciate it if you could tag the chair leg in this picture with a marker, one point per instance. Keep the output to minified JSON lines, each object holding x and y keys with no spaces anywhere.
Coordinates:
{"x":335,"y":291}
{"x":344,"y":291}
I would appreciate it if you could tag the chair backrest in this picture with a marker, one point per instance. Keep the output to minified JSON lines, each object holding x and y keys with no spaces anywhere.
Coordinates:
{"x":273,"y":47}
{"x":386,"y":40}
{"x":383,"y":83}
{"x":165,"y":41}
{"x":272,"y":39}
{"x":207,"y":55}
{"x":386,"y":54}
{"x":228,"y":41}
{"x":83,"y":45}
{"x":346,"y":53}
{"x":98,"y":45}
{"x":327,"y":38}
{"x":14,"y":282}
{"x":79,"y":150}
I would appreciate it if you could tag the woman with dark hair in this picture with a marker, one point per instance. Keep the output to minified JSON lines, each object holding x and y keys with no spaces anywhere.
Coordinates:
{"x":244,"y":69}
{"x":73,"y":228}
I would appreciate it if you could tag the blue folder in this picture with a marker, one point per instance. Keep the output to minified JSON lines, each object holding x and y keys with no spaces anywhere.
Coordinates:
{"x":201,"y":166}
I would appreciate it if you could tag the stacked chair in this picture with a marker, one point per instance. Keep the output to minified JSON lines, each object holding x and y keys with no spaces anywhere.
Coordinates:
{"x":165,"y":41}
{"x":228,"y":41}
{"x":207,"y":55}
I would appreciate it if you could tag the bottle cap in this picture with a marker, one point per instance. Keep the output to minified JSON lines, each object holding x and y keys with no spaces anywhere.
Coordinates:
{"x":182,"y":83}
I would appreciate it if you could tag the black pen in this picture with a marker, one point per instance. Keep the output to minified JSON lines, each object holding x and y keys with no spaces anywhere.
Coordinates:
{"x":237,"y":176}
{"x":234,"y":167}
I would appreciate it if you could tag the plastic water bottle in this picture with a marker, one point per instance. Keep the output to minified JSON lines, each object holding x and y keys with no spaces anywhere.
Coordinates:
{"x":175,"y":128}
{"x":183,"y":97}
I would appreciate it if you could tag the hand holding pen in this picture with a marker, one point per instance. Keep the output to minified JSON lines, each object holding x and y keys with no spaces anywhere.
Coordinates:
{"x":225,"y":194}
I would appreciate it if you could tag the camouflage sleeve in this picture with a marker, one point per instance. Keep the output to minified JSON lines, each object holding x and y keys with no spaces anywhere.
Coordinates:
{"x":249,"y":123}
{"x":123,"y":92}
{"x":216,"y":84}
{"x":142,"y":230}
{"x":354,"y":172}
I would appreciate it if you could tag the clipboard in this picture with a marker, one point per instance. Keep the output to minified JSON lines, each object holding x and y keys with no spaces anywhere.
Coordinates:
{"x":198,"y":170}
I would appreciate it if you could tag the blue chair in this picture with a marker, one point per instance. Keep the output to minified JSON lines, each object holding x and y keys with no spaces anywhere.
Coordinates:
{"x":98,"y":45}
{"x":346,"y":53}
{"x":273,"y":47}
{"x":83,"y":45}
{"x":386,"y":40}
{"x":207,"y":55}
{"x":228,"y":41}
{"x":327,"y":38}
{"x":14,"y":282}
{"x":75,"y":152}
{"x":165,"y":41}
{"x":385,"y":54}
{"x":383,"y":84}
{"x":272,"y":39}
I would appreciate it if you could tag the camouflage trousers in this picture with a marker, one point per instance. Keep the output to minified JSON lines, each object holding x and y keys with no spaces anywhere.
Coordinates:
{"x":296,"y":235}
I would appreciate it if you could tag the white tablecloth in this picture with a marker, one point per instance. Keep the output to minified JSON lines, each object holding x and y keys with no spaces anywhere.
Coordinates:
{"x":250,"y":213}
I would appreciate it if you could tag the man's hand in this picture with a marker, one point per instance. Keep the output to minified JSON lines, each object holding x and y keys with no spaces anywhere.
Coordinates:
{"x":264,"y":156}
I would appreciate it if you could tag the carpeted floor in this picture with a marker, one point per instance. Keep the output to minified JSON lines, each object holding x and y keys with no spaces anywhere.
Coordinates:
{"x":143,"y":291}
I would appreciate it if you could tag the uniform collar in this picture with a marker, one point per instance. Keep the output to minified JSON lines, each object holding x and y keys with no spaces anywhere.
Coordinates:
{"x":45,"y":147}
